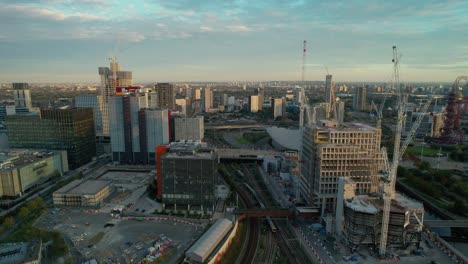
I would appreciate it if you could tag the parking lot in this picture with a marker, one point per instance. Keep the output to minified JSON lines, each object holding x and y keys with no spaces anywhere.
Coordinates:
{"x":110,"y":240}
{"x":91,"y":233}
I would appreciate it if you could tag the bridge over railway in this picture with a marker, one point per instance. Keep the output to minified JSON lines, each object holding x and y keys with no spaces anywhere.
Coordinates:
{"x":248,"y":154}
{"x":263,"y":212}
{"x":446,"y":223}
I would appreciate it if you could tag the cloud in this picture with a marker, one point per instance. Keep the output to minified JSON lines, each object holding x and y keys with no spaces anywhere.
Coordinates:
{"x":238,"y":28}
{"x":47,"y":13}
{"x":206,"y":29}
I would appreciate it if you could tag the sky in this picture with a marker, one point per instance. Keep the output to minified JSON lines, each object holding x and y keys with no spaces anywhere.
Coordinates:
{"x":232,"y":40}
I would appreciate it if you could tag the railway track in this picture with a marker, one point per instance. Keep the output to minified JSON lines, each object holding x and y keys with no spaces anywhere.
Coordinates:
{"x":251,"y":249}
{"x":290,"y":249}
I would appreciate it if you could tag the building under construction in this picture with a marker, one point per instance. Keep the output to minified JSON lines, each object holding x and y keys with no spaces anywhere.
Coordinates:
{"x":363,"y":221}
{"x":330,"y":151}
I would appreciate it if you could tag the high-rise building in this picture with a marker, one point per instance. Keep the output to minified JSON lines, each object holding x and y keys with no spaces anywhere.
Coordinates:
{"x":184,"y":106}
{"x":255,"y":103}
{"x":224,"y":100}
{"x":329,"y":95}
{"x":338,"y":111}
{"x":188,"y":173}
{"x":111,"y":78}
{"x":360,"y":97}
{"x":56,"y":129}
{"x":95,"y":102}
{"x":189,"y":128}
{"x":135,"y":130}
{"x":330,"y":151}
{"x":165,"y":96}
{"x":22,"y":95}
{"x":197,"y":94}
{"x":208,"y":99}
{"x":279,"y":107}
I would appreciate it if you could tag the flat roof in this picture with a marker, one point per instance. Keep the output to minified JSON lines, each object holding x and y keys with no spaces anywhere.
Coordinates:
{"x":81,"y":187}
{"x":208,"y":242}
{"x":19,"y":158}
{"x":362,"y":203}
{"x":354,"y":126}
{"x":16,"y":253}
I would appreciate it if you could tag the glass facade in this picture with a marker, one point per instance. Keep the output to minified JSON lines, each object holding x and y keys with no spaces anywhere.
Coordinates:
{"x":56,"y":129}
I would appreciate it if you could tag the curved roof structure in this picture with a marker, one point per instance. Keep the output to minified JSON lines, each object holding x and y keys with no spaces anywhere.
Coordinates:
{"x":287,"y":138}
{"x":200,"y":251}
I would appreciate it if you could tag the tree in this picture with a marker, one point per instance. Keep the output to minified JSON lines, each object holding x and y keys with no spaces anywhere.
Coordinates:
{"x":24,"y":212}
{"x":424,"y":166}
{"x":8,"y":223}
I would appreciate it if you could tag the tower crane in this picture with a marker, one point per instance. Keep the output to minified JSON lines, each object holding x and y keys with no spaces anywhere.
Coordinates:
{"x":303,"y":104}
{"x":390,"y":169}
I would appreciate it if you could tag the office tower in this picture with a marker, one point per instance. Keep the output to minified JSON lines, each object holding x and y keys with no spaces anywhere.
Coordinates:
{"x":22,"y":95}
{"x":111,"y":78}
{"x":95,"y":102}
{"x":260,"y":92}
{"x":21,"y":170}
{"x":197,"y":94}
{"x":184,"y":106}
{"x":208,"y":99}
{"x":56,"y":129}
{"x":338,"y":111}
{"x":329,"y":152}
{"x":224,"y":100}
{"x":254,"y":103}
{"x":189,"y":128}
{"x":188,"y":172}
{"x":359,"y":101}
{"x":279,"y":107}
{"x":135,"y":130}
{"x":329,"y":95}
{"x":165,"y":97}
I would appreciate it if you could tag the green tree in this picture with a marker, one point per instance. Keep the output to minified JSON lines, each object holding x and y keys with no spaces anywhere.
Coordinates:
{"x":8,"y":222}
{"x":24,"y":212}
{"x":424,"y":166}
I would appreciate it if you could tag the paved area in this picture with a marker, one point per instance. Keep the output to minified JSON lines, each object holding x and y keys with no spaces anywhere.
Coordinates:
{"x":130,"y":191}
{"x":110,"y":240}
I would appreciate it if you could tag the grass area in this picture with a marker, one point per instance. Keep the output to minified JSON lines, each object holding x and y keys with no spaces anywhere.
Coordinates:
{"x":251,"y":138}
{"x":433,"y":200}
{"x":25,"y":229}
{"x":427,"y":152}
{"x":242,"y":140}
{"x":230,"y":257}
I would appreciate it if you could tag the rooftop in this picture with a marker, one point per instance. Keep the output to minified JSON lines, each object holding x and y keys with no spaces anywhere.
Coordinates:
{"x":81,"y":187}
{"x":19,"y":157}
{"x":348,"y":127}
{"x":190,"y":149}
{"x":374,"y":204}
{"x":16,"y":253}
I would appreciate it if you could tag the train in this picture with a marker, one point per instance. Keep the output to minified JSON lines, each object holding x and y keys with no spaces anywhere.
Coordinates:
{"x":271,"y":224}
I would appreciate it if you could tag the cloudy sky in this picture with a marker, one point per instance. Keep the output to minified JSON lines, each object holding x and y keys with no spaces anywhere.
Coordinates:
{"x":222,"y":40}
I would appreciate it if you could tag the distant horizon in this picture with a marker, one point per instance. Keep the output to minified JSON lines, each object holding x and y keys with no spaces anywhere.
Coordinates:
{"x":66,"y":41}
{"x":190,"y":82}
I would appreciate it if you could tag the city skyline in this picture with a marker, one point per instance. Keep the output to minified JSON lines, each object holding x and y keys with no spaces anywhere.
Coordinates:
{"x":53,"y":41}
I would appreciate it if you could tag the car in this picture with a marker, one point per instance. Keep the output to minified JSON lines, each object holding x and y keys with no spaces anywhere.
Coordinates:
{"x":138,"y":209}
{"x":144,"y":210}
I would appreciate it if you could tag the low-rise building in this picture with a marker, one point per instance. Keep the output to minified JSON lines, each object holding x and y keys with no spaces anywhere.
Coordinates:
{"x":21,"y":170}
{"x":21,"y":252}
{"x":82,"y":193}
